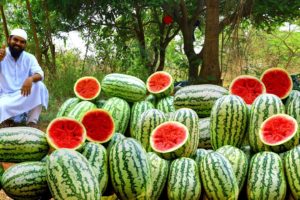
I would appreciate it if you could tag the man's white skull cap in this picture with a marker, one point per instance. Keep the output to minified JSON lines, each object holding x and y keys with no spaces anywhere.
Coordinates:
{"x":19,"y":32}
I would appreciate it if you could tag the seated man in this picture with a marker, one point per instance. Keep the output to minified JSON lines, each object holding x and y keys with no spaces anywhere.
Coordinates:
{"x":21,"y":88}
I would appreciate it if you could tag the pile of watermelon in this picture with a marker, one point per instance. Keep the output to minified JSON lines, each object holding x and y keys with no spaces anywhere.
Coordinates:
{"x":130,"y":139}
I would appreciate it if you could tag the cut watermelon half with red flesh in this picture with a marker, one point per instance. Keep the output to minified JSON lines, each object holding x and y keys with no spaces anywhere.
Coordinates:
{"x":99,"y":125}
{"x":278,"y":129}
{"x":87,"y":88}
{"x":64,"y":132}
{"x":277,"y":81}
{"x":247,"y":87}
{"x":168,"y":137}
{"x":160,"y":84}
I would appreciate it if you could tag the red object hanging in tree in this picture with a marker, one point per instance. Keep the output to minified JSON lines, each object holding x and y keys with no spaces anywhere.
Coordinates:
{"x":167,"y":20}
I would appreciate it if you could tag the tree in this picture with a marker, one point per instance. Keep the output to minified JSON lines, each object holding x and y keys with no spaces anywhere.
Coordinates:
{"x":4,"y":19}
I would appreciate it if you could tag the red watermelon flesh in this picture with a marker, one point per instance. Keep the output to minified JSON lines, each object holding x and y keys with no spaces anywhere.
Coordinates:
{"x":277,"y":81}
{"x":99,"y":125}
{"x":168,"y":137}
{"x":87,"y":88}
{"x":65,"y":132}
{"x":278,"y":129}
{"x":247,"y":87}
{"x":159,"y":81}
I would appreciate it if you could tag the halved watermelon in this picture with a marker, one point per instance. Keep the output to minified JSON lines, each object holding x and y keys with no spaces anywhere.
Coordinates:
{"x":278,"y":82}
{"x":64,"y":132}
{"x":168,"y":137}
{"x":247,"y":87}
{"x":278,"y":129}
{"x":87,"y":88}
{"x":160,"y":84}
{"x":99,"y":125}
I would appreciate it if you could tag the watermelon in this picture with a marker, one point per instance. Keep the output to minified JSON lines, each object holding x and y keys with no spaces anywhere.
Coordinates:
{"x":292,"y":170}
{"x":70,"y":176}
{"x":278,"y":82}
{"x":67,"y":106}
{"x":148,"y":121}
{"x":159,"y":172}
{"x":219,"y":181}
{"x":97,"y":156}
{"x":27,"y":180}
{"x":115,"y":138}
{"x":293,"y":109}
{"x":293,"y":95}
{"x":279,"y":131}
{"x":130,"y":170}
{"x":20,"y":144}
{"x":64,"y":132}
{"x":80,"y":109}
{"x":199,"y":155}
{"x":184,"y":180}
{"x":200,"y":98}
{"x":228,"y":121}
{"x":120,"y":112}
{"x":266,"y":178}
{"x":99,"y":125}
{"x":247,"y":87}
{"x":168,"y":137}
{"x":129,"y":88}
{"x":204,"y":133}
{"x":160,"y":84}
{"x":136,"y":111}
{"x":87,"y":88}
{"x":166,"y":104}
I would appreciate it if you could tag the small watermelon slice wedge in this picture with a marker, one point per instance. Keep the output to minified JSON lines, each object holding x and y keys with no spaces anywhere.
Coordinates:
{"x":277,"y":81}
{"x":160,"y":84}
{"x":87,"y":88}
{"x":64,"y":132}
{"x":247,"y":87}
{"x":168,"y":137}
{"x":99,"y":125}
{"x":278,"y":129}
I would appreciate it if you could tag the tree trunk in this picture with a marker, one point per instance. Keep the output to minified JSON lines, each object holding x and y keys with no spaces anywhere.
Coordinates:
{"x":4,"y":22}
{"x":49,"y":38}
{"x":38,"y":53}
{"x":210,"y":70}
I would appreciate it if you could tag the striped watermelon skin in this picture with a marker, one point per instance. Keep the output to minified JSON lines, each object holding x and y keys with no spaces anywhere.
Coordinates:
{"x":1,"y":173}
{"x":166,"y":104}
{"x":266,"y":178}
{"x":159,"y":172}
{"x":67,"y":106}
{"x":129,"y":88}
{"x":293,"y":109}
{"x":136,"y":111}
{"x":80,"y":109}
{"x":69,"y":174}
{"x":228,"y":121}
{"x":199,"y":155}
{"x":152,"y":99}
{"x":200,"y":98}
{"x":239,"y":162}
{"x":149,"y":120}
{"x":263,"y":107}
{"x":20,"y":144}
{"x":130,"y":170}
{"x":220,"y":181}
{"x":293,"y":95}
{"x":204,"y":133}
{"x":184,"y":180}
{"x":120,"y":111}
{"x":292,"y":170}
{"x":27,"y":180}
{"x":115,"y":138}
{"x":97,"y":156}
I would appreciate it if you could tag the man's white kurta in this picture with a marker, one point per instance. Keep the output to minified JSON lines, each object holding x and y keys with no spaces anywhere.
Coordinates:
{"x":12,"y":76}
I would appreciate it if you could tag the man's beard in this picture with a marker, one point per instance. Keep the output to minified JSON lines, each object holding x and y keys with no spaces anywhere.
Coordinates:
{"x":15,"y":52}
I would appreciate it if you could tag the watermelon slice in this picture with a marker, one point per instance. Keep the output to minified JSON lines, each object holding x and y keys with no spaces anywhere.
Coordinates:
{"x":278,"y":82}
{"x":87,"y":88}
{"x":247,"y":87}
{"x":64,"y":132}
{"x":99,"y":125}
{"x":168,"y":137}
{"x":278,"y":129}
{"x":160,"y":84}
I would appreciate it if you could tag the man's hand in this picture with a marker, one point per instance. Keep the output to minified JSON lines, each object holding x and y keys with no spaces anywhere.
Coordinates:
{"x":26,"y":87}
{"x":2,"y":52}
